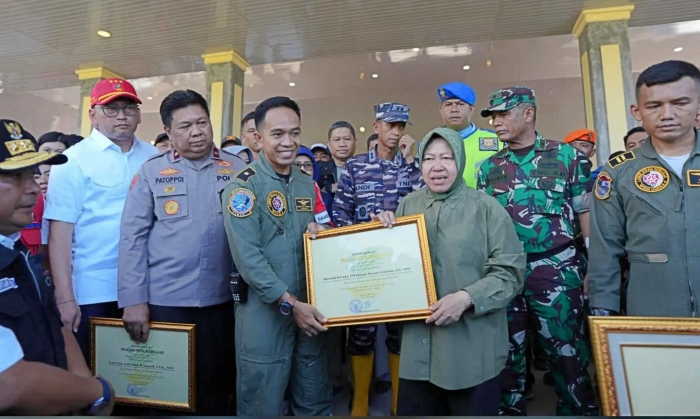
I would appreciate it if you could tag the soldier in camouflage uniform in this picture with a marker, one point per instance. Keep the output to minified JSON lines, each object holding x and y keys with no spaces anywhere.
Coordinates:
{"x":369,"y":184}
{"x":542,"y":185}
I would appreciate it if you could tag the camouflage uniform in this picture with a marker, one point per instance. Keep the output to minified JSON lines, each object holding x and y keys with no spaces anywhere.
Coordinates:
{"x":543,"y":191}
{"x":370,"y":185}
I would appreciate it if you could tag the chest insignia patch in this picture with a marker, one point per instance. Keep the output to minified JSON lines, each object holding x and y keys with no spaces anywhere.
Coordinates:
{"x":7,"y":284}
{"x":302,"y":204}
{"x":488,"y":144}
{"x":223,"y":163}
{"x":169,"y":172}
{"x":693,"y":178}
{"x":171,"y":207}
{"x":603,"y":186}
{"x":241,"y":203}
{"x":652,"y":179}
{"x":169,"y":189}
{"x":226,"y":171}
{"x":276,"y":204}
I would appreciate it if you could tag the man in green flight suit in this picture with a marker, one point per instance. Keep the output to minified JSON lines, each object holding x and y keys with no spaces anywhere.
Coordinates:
{"x":645,"y":203}
{"x":457,"y":102}
{"x":268,"y":206}
{"x":542,"y":185}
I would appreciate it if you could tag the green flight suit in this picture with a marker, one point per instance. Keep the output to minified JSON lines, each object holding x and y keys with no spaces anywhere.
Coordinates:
{"x":265,"y":219}
{"x":643,"y":208}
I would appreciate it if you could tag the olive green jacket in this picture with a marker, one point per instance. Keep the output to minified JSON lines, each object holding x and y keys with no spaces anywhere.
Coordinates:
{"x":642,"y":208}
{"x":473,"y":247}
{"x":265,"y":220}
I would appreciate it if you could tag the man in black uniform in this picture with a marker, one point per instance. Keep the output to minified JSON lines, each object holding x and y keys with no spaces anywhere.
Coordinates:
{"x":42,"y":371}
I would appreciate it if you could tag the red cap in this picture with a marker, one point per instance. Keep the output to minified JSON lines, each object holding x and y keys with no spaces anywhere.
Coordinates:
{"x":108,"y":90}
{"x":581,"y":135}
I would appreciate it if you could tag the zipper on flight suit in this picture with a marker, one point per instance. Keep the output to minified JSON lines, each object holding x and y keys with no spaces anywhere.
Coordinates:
{"x":687,"y":272}
{"x":289,"y":210}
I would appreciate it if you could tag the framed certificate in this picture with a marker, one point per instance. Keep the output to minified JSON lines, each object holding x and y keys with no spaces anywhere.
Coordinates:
{"x":647,"y":366}
{"x":159,"y":373}
{"x":367,"y":273}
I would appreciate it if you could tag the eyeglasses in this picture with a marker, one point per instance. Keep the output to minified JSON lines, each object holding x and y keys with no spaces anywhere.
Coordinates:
{"x":111,"y":111}
{"x":305,"y":165}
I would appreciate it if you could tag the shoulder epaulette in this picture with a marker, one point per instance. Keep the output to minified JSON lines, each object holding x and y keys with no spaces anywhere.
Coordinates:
{"x":155,"y":156}
{"x":246,"y":174}
{"x":622,"y":158}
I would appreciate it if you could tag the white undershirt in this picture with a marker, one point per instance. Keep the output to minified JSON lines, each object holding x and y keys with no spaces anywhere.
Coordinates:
{"x":676,"y":163}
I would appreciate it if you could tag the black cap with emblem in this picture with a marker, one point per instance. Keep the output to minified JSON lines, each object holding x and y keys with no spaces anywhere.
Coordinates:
{"x":18,"y":150}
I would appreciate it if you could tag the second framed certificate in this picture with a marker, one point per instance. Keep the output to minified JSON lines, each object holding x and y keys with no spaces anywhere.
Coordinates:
{"x":367,"y":273}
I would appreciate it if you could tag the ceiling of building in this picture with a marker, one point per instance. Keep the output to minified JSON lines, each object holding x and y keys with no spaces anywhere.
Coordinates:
{"x":343,"y":88}
{"x":45,"y":42}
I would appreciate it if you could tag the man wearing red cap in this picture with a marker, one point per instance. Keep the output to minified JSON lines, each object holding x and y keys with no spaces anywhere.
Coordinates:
{"x":85,"y":201}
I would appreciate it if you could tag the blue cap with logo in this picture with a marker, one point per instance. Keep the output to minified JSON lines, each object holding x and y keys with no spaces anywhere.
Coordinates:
{"x":392,"y":112}
{"x":456,"y":90}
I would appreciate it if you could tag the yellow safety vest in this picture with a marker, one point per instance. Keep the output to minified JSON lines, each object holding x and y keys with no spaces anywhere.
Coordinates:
{"x":479,"y":145}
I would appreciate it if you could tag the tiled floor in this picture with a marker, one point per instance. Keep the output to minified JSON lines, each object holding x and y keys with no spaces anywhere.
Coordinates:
{"x":544,"y":403}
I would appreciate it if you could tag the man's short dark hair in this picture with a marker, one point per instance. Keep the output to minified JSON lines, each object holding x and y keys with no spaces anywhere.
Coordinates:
{"x":53,"y":137}
{"x":633,"y":131}
{"x":341,"y":124}
{"x":667,"y":72}
{"x":272,"y":103}
{"x":180,"y":99}
{"x":248,"y":117}
{"x":371,"y":138}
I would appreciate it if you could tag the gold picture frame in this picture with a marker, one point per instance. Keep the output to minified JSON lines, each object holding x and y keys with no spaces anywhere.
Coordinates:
{"x":171,"y":349}
{"x":427,"y":281}
{"x":634,"y":357}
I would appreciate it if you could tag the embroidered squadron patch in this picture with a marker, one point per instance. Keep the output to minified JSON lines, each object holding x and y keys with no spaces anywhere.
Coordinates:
{"x":226,"y":171}
{"x":693,"y":177}
{"x":652,"y":179}
{"x":622,"y":158}
{"x":171,"y":207}
{"x":488,"y":144}
{"x":223,"y":163}
{"x":241,"y":203}
{"x":276,"y":204}
{"x":169,"y":172}
{"x":302,"y":204}
{"x":169,"y":189}
{"x":246,"y":174}
{"x":603,"y":186}
{"x":133,"y":181}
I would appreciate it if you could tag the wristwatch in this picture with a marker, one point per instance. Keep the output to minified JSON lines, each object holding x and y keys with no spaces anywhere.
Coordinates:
{"x":287,"y":305}
{"x":96,"y":407}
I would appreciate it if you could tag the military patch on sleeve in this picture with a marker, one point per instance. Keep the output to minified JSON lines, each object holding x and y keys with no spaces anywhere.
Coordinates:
{"x":133,"y":181}
{"x":302,"y":204}
{"x":622,"y":158}
{"x":246,"y":174}
{"x":603,"y":186}
{"x":693,"y":178}
{"x":488,"y":144}
{"x":241,"y":203}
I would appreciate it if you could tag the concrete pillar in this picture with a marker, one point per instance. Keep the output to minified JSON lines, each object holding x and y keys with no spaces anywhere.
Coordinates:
{"x":88,"y":77}
{"x":606,"y":70}
{"x":225,"y":81}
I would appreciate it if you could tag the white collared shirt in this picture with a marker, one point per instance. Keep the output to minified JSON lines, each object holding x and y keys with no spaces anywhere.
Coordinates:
{"x":10,"y":349}
{"x":9,"y":241}
{"x":89,"y":191}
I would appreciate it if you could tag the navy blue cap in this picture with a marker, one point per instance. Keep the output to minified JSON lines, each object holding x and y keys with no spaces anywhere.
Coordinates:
{"x":18,"y":149}
{"x":456,"y":90}
{"x":391,"y":112}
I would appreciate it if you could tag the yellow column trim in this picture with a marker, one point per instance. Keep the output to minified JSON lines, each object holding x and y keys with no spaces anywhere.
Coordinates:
{"x":237,"y":110}
{"x":216,"y":109}
{"x":607,"y":14}
{"x":587,"y":95}
{"x":613,"y":85}
{"x":96,"y":73}
{"x":226,"y":57}
{"x":85,"y":124}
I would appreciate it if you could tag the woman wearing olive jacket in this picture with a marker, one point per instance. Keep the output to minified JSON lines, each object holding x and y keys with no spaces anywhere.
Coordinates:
{"x":450,"y":363}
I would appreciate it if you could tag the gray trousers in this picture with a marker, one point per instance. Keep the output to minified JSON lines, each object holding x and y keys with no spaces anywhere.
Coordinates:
{"x":272,"y":354}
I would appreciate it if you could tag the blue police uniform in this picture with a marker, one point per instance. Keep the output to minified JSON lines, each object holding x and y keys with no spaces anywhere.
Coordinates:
{"x":369,"y":185}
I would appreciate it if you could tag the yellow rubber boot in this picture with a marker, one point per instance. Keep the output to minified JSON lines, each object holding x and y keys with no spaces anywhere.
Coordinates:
{"x":362,"y":367}
{"x":394,"y":361}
